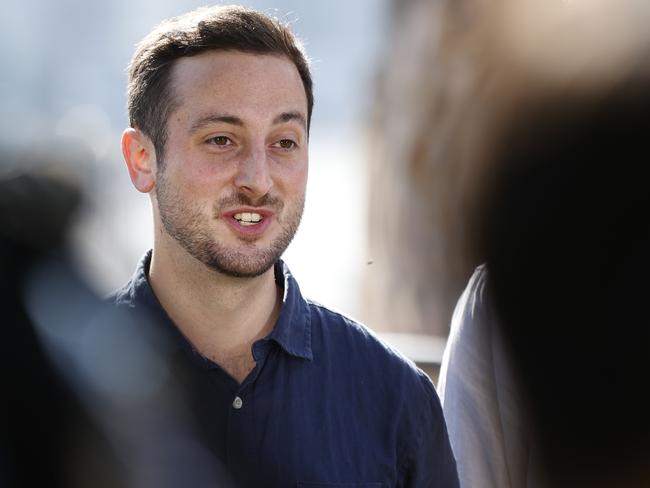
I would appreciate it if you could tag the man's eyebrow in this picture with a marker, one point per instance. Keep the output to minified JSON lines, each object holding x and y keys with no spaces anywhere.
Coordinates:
{"x":234,"y":120}
{"x":215,"y":119}
{"x":289,"y":116}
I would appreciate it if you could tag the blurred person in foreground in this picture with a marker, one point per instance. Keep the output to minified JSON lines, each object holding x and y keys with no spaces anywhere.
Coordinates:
{"x":544,"y":380}
{"x":47,"y":435}
{"x":72,"y":415}
{"x":287,"y":392}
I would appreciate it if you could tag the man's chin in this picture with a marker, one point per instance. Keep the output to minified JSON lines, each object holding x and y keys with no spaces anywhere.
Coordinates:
{"x":240,"y":272}
{"x":240,"y":265}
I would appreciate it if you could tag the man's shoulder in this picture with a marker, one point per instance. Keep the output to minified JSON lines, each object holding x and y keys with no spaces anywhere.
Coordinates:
{"x":338,"y":325}
{"x":355,"y":341}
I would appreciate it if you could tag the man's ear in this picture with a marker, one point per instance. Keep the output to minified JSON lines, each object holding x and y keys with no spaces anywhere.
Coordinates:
{"x":140,"y":157}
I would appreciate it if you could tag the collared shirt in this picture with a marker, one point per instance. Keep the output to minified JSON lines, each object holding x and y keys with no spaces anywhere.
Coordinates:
{"x":327,"y":404}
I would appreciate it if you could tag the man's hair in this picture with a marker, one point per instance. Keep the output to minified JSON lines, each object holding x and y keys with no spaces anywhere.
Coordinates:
{"x":224,"y":28}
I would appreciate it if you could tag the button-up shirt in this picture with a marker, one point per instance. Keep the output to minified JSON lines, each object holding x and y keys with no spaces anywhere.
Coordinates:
{"x":327,"y":403}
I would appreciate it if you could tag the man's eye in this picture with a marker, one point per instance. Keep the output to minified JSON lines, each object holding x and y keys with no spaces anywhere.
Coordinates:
{"x":286,"y":144}
{"x":220,"y":141}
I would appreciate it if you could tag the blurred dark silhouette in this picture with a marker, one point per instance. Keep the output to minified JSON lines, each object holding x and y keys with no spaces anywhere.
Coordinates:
{"x":92,"y":395}
{"x":566,"y":239}
{"x":47,"y":437}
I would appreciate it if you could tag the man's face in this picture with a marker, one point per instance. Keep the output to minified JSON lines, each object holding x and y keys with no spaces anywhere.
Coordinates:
{"x":231,"y":189}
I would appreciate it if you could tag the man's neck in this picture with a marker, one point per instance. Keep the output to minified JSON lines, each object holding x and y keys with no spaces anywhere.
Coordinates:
{"x":221,"y":316}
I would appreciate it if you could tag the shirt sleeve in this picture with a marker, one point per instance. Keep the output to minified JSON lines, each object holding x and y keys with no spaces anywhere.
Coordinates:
{"x":432,"y":463}
{"x":480,"y":401}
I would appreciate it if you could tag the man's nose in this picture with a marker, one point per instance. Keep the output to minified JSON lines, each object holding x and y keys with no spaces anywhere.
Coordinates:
{"x":253,"y":176}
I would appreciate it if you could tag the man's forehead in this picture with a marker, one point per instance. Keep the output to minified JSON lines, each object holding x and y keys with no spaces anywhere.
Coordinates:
{"x":217,"y":67}
{"x":227,"y":82}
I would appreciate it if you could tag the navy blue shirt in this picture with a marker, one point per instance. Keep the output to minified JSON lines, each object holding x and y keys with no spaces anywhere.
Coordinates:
{"x":327,"y":404}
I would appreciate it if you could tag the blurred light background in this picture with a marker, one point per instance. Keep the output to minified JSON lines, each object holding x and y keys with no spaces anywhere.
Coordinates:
{"x":63,"y":83}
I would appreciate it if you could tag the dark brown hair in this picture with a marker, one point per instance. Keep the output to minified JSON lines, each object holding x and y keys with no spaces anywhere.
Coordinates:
{"x":228,"y":28}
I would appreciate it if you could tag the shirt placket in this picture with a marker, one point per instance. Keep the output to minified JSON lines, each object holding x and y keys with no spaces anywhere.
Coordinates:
{"x":242,"y":441}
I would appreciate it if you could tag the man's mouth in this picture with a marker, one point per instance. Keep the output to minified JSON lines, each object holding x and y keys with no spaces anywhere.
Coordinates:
{"x":247,"y":221}
{"x":248,"y":218}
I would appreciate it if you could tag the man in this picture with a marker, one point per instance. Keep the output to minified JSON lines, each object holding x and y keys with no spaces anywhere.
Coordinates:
{"x":287,"y":392}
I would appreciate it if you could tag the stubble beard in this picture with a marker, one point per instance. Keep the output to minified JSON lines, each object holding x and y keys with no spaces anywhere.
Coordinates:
{"x":186,"y":224}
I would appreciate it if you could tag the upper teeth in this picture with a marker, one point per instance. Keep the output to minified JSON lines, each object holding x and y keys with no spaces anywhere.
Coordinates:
{"x":248,"y":217}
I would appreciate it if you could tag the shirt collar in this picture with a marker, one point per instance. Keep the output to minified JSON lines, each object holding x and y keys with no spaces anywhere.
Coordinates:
{"x":293,"y":328}
{"x":292,"y":332}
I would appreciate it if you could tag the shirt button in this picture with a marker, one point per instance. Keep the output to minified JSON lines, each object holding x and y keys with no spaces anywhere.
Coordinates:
{"x":237,"y":403}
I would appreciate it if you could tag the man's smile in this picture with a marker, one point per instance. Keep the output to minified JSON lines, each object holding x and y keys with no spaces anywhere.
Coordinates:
{"x":249,"y":221}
